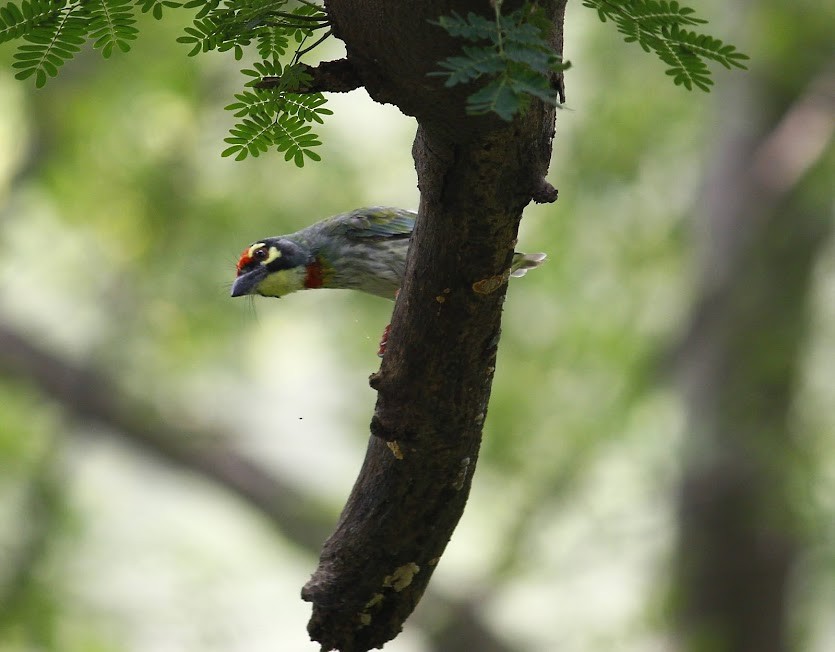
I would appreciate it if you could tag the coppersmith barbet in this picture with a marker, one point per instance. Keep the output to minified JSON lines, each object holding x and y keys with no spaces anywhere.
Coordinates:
{"x":363,"y":250}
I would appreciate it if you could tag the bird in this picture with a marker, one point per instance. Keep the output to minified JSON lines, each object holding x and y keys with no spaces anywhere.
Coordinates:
{"x":364,"y":249}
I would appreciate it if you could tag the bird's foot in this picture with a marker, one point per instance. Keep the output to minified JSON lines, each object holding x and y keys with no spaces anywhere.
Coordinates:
{"x":384,"y":340}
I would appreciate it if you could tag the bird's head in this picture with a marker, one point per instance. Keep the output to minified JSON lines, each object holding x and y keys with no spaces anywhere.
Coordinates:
{"x":272,"y":268}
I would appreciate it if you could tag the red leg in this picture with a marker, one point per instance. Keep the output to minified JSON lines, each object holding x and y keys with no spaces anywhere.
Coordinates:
{"x":384,"y":340}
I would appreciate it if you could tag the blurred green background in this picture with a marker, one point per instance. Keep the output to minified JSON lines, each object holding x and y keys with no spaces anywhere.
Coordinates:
{"x":119,"y":228}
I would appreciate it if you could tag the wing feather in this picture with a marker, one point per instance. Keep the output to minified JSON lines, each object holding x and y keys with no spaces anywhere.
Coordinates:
{"x":379,"y":223}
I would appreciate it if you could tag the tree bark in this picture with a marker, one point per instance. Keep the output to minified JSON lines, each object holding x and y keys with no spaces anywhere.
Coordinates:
{"x":475,"y":174}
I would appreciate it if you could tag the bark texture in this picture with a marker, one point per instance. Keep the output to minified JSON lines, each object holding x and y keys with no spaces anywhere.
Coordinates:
{"x":475,"y":176}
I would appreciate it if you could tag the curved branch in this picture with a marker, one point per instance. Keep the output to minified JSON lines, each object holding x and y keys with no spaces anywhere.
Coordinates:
{"x":476,"y":174}
{"x":544,"y":193}
{"x":93,"y":396}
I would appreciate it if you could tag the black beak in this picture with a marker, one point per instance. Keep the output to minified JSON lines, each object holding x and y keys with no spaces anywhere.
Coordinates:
{"x":248,"y":282}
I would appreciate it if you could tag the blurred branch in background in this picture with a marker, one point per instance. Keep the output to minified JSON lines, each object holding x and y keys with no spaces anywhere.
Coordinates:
{"x":41,"y":513}
{"x":120,"y":223}
{"x":762,"y":229}
{"x":89,"y":394}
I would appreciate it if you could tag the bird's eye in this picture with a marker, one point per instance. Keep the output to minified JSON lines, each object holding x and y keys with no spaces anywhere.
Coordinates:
{"x":260,"y":254}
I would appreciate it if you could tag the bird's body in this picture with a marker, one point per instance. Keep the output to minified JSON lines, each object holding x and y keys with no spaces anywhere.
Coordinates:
{"x":363,"y":250}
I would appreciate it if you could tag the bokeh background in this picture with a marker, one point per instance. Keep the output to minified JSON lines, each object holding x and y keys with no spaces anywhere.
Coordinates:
{"x":170,"y":458}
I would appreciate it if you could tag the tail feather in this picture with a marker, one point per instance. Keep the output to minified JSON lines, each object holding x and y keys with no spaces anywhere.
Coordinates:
{"x":523,"y":262}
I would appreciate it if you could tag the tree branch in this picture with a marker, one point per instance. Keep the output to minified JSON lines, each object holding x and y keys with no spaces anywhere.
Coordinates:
{"x":90,"y":395}
{"x":475,"y":176}
{"x":336,"y":76}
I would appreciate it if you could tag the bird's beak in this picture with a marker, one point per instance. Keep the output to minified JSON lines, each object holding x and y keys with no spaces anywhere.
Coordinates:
{"x":248,"y":283}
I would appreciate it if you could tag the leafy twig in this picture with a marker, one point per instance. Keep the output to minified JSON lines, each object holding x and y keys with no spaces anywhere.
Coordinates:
{"x":517,"y":59}
{"x":660,"y":26}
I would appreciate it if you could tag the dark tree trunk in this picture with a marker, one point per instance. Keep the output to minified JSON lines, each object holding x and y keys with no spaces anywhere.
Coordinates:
{"x":475,"y":176}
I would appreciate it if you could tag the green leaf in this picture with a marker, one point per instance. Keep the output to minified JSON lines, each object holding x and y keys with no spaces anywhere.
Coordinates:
{"x":515,"y":57}
{"x":155,"y":6}
{"x":53,"y":31}
{"x":524,"y":82}
{"x":471,"y":28}
{"x":475,"y":63}
{"x":49,"y":45}
{"x":536,"y":59}
{"x":499,"y":97}
{"x":272,"y":43}
{"x":15,"y":21}
{"x":249,"y":137}
{"x":111,"y":24}
{"x":274,"y":117}
{"x":659,"y":26}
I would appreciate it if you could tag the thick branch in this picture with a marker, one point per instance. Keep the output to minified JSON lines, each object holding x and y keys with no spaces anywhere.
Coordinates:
{"x":336,"y":76}
{"x":475,"y":177}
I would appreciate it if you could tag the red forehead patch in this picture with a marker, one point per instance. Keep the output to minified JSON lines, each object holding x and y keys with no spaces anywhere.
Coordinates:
{"x":244,"y":260}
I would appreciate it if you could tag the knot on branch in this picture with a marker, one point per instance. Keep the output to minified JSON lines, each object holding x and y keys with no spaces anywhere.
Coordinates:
{"x":558,"y":84}
{"x":337,"y":76}
{"x":544,"y":193}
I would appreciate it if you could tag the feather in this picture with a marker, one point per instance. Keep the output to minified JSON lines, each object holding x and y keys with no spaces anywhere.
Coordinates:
{"x":380,"y":222}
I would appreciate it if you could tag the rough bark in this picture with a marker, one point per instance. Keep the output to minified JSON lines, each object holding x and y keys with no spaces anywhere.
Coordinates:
{"x":331,"y":76}
{"x":475,"y":176}
{"x":739,"y":364}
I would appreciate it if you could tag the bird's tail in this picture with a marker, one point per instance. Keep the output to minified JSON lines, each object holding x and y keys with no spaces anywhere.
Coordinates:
{"x":523,"y":262}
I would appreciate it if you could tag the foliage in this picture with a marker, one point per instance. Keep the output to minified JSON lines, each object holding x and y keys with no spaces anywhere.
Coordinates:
{"x":53,"y":31}
{"x":510,"y":53}
{"x":274,"y":115}
{"x":129,"y":263}
{"x":517,"y":56}
{"x":660,"y":26}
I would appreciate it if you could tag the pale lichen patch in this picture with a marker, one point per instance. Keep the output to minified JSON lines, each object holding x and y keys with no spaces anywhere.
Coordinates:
{"x":461,"y":477}
{"x":364,"y":616}
{"x":402,"y":576}
{"x":395,"y":449}
{"x":491,"y":284}
{"x":376,"y":599}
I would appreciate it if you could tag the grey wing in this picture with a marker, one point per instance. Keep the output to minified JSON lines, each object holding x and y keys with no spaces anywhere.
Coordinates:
{"x":379,"y":223}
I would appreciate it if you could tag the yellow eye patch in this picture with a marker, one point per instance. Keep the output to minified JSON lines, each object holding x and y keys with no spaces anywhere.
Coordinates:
{"x":260,"y":253}
{"x":251,"y":251}
{"x":274,"y":253}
